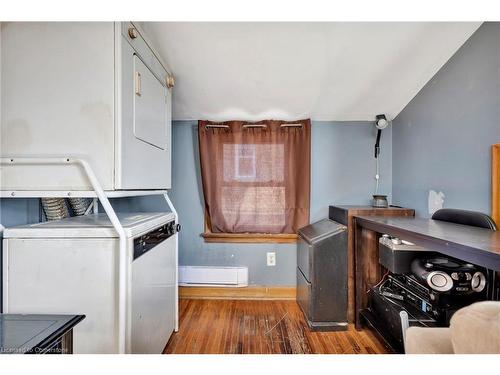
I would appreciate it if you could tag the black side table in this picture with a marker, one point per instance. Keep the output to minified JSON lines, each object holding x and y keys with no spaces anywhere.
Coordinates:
{"x":37,"y":334}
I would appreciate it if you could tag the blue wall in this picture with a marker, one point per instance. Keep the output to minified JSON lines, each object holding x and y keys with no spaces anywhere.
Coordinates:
{"x":342,"y":172}
{"x":442,"y":139}
{"x":19,"y":211}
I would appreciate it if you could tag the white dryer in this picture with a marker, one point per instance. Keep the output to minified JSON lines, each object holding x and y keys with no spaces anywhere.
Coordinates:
{"x":70,"y":266}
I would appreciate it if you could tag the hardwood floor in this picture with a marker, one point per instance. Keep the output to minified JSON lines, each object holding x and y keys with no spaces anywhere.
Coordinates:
{"x":258,"y":327}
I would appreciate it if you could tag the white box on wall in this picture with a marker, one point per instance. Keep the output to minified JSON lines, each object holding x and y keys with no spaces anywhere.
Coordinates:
{"x":213,"y":276}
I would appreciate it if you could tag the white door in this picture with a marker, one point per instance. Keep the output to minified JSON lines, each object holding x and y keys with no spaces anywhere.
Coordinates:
{"x":144,"y":134}
{"x":150,"y":107}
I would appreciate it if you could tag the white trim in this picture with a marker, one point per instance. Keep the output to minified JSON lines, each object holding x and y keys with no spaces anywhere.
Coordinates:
{"x":150,"y":45}
{"x":5,"y":277}
{"x":174,"y":211}
{"x":97,"y":227}
{"x":117,"y":38}
{"x":74,"y":193}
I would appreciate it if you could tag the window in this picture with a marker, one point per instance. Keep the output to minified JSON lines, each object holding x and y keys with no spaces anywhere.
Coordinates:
{"x":244,"y":161}
{"x":256,"y":179}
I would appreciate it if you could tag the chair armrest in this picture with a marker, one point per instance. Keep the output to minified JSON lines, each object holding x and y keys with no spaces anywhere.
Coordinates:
{"x":428,"y":340}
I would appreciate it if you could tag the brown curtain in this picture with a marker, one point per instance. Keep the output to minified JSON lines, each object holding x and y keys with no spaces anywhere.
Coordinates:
{"x":256,"y":179}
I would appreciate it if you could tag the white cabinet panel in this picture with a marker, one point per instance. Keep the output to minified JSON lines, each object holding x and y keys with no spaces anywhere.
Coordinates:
{"x":133,"y":149}
{"x":153,"y":280}
{"x":150,"y":106}
{"x":57,"y":100}
{"x":66,"y":276}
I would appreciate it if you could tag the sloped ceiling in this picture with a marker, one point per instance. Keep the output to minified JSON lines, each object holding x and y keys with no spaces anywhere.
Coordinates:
{"x":326,"y":71}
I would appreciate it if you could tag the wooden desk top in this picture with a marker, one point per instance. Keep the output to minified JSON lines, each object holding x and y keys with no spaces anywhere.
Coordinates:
{"x":476,"y":245}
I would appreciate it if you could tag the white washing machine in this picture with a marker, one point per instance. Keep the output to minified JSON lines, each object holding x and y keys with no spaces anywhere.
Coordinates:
{"x":70,"y":266}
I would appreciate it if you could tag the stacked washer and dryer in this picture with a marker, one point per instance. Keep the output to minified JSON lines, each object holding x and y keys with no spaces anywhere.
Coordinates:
{"x":97,"y":93}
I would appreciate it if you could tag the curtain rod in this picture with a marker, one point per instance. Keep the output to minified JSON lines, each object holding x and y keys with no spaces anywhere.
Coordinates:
{"x":217,"y":126}
{"x":249,"y":126}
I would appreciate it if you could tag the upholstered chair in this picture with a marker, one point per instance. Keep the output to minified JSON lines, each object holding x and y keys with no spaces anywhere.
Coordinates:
{"x":474,"y":329}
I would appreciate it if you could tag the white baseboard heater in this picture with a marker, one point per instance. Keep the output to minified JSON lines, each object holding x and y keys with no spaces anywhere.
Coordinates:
{"x":213,"y":276}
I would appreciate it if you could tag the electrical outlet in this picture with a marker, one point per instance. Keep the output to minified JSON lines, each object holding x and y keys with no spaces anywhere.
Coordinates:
{"x":271,"y":259}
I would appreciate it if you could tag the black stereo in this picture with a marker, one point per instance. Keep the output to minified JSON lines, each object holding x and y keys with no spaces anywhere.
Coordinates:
{"x":408,"y":291}
{"x":448,"y":275}
{"x":388,"y":300}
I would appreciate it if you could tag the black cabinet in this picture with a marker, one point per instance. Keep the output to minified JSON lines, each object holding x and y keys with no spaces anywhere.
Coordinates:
{"x":322,"y":275}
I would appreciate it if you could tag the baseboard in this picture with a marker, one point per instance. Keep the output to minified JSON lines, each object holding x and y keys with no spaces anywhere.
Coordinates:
{"x":250,"y":292}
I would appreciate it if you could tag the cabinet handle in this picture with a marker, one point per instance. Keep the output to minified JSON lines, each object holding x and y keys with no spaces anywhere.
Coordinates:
{"x":132,"y":32}
{"x":170,"y":81}
{"x":138,"y":90}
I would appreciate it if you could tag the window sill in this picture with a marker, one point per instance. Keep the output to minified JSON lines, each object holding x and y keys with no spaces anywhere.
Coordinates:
{"x":249,"y":237}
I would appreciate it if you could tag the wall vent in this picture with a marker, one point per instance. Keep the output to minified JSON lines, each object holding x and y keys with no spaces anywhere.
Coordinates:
{"x":213,"y":276}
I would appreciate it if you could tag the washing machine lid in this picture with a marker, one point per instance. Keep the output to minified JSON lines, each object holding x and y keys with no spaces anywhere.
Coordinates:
{"x":91,"y":226}
{"x":320,"y":230}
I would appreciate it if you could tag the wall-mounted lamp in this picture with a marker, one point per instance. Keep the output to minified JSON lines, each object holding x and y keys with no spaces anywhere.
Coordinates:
{"x":381,"y":123}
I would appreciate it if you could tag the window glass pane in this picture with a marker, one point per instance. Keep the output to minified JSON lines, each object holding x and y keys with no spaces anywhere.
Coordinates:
{"x":254,"y":162}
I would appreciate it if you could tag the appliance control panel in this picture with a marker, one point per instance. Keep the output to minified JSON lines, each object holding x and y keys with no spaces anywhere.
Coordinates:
{"x":151,"y":239}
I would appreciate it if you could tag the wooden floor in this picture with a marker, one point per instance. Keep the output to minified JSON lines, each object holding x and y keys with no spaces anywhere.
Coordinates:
{"x":258,"y":327}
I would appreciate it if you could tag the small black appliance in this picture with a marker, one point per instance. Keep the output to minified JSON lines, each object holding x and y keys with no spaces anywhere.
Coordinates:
{"x":448,"y":275}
